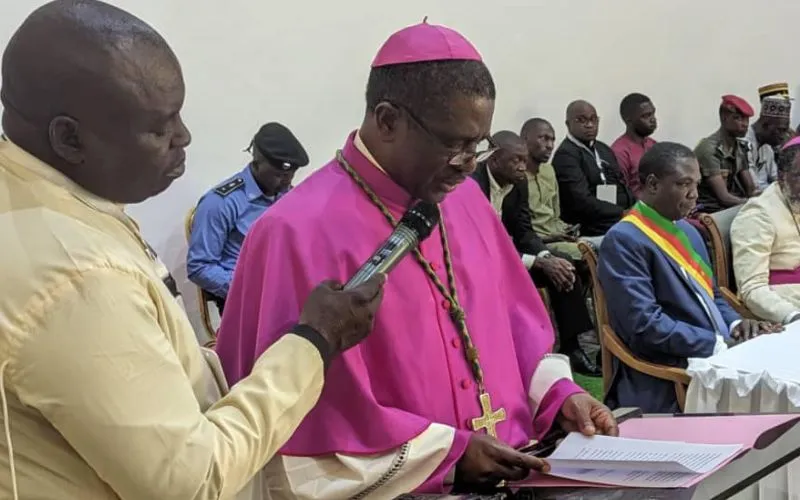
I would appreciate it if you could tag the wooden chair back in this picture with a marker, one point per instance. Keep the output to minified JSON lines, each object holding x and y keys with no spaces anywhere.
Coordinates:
{"x":718,"y":233}
{"x":600,"y":312}
{"x":203,"y":298}
{"x":612,"y":347}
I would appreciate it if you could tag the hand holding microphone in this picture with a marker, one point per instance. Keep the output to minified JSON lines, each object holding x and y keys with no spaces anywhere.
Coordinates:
{"x":343,"y":317}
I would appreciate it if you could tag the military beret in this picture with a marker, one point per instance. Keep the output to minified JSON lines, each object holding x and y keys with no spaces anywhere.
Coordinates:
{"x":737,"y":103}
{"x":280,"y":146}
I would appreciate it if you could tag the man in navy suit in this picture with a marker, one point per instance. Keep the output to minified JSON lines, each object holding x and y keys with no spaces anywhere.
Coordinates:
{"x":663,"y":301}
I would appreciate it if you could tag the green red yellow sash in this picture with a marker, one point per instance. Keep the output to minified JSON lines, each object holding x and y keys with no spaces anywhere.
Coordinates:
{"x":672,"y":241}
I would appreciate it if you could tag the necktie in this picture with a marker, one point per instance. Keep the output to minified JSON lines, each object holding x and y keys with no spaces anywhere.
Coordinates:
{"x":709,"y":306}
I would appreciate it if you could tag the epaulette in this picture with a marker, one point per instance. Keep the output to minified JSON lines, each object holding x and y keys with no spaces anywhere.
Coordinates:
{"x":230,"y":186}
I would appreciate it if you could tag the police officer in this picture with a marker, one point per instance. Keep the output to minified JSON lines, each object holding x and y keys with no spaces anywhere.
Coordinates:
{"x":225,"y":214}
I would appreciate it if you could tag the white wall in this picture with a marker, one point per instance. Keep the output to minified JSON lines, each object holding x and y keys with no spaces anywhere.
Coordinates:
{"x":305,"y":64}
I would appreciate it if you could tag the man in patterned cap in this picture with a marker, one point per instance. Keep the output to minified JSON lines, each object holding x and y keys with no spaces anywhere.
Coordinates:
{"x":459,"y":372}
{"x":225,"y":214}
{"x":780,"y":89}
{"x":767,"y":133}
{"x":723,"y":158}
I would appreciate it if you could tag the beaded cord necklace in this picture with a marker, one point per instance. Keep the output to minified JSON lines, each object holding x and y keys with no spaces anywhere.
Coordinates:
{"x":490,"y":418}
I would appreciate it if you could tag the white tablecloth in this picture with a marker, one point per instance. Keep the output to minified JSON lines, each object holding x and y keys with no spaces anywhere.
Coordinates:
{"x":758,"y":376}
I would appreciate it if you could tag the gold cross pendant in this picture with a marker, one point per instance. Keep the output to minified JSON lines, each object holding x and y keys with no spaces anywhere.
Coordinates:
{"x":490,"y":418}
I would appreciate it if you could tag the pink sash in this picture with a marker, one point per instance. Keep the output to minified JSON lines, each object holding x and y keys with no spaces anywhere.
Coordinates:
{"x":784,"y":276}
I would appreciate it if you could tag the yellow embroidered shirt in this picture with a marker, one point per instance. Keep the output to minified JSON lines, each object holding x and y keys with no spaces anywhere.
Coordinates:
{"x":109,"y":395}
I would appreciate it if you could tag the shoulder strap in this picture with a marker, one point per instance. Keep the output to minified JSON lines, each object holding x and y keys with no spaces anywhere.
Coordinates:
{"x":230,"y":186}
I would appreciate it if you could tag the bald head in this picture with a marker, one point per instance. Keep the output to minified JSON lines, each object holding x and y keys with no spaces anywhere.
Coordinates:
{"x":509,"y":162}
{"x":69,"y":45}
{"x":79,"y":80}
{"x":582,"y":121}
{"x":506,"y":139}
{"x":579,"y":107}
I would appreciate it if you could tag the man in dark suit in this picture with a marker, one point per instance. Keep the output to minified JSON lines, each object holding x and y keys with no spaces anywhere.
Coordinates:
{"x":502,"y":178}
{"x":664,"y":303}
{"x":590,"y":183}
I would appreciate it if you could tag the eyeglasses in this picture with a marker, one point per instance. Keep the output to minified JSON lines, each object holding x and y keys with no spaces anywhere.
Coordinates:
{"x":484,"y":150}
{"x":587,"y":120}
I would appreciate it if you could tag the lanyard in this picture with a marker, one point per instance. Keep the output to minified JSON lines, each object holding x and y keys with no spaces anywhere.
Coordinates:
{"x":594,"y":153}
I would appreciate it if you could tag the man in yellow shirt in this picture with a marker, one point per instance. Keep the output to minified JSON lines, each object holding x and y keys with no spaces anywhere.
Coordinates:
{"x":107,"y":393}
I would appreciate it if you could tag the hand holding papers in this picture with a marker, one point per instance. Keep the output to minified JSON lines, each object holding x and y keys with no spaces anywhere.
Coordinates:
{"x":637,"y":462}
{"x":583,"y":413}
{"x":487,"y":461}
{"x":748,"y":430}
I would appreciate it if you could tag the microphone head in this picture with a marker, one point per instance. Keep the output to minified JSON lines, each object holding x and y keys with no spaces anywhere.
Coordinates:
{"x":421,"y":218}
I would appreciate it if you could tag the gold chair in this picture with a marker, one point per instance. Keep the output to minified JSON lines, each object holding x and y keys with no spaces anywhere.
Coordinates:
{"x":203,"y":298}
{"x":611,"y":346}
{"x":717,"y":227}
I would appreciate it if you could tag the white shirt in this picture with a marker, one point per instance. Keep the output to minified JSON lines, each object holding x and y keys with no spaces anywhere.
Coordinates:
{"x":761,"y":160}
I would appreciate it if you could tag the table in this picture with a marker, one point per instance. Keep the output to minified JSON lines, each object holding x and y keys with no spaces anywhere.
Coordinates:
{"x":773,"y":449}
{"x":758,"y":376}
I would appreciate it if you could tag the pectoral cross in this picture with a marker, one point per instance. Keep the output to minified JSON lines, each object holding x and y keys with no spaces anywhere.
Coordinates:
{"x":490,"y":418}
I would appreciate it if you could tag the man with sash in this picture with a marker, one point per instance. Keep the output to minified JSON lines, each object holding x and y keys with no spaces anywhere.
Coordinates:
{"x":666,"y":306}
{"x":459,"y":370}
{"x":765,"y":238}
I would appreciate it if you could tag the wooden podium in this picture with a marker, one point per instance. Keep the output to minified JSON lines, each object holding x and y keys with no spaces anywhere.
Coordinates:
{"x":775,"y":448}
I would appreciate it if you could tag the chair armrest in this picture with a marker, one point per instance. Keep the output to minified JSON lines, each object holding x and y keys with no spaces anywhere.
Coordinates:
{"x":736,"y":303}
{"x":618,"y":349}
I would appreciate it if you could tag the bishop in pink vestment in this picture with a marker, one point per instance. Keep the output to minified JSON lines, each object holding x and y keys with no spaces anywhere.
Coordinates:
{"x":396,"y":411}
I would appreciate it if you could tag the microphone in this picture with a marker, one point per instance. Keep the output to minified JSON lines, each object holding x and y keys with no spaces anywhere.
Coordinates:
{"x":416,"y":225}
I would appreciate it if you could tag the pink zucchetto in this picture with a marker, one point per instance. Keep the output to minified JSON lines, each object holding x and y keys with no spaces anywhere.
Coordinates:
{"x":425,"y":42}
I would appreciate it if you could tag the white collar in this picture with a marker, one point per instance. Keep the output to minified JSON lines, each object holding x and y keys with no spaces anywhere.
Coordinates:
{"x":590,"y":148}
{"x":592,"y":151}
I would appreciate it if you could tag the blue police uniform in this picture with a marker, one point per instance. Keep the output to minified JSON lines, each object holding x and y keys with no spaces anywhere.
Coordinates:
{"x":225,"y":214}
{"x":223,"y":217}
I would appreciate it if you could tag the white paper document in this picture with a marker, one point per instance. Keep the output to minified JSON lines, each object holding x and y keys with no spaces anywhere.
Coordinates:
{"x":636,"y":462}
